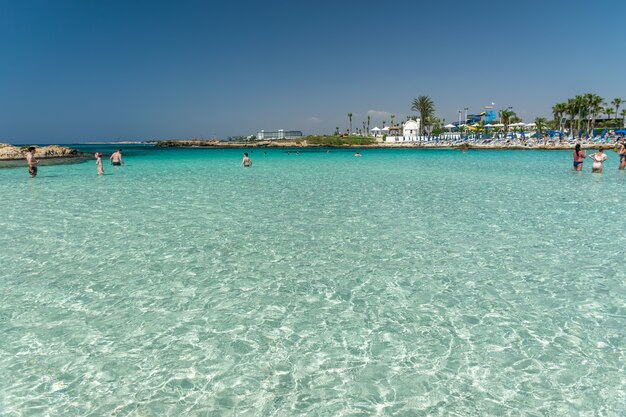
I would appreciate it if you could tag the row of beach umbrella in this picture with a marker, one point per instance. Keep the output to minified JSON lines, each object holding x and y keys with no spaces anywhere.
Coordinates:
{"x":520,"y":124}
{"x":451,"y":126}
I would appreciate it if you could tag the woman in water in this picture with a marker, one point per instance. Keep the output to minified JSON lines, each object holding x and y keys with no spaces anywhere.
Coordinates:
{"x":598,"y":159}
{"x":99,"y":163}
{"x":622,"y":155}
{"x":578,"y":158}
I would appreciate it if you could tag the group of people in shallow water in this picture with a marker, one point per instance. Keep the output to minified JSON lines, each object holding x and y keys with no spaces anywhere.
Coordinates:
{"x":579,"y":156}
{"x":115,"y":158}
{"x":598,"y":158}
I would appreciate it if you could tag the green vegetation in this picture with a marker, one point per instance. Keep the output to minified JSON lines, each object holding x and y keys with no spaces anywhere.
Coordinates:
{"x":426,"y":108}
{"x":340,"y":140}
{"x":582,"y":111}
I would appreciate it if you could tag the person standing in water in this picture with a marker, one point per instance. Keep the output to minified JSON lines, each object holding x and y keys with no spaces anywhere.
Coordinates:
{"x":598,"y":159}
{"x":99,"y":163}
{"x":246,"y":162}
{"x":32,"y":162}
{"x":622,"y":155}
{"x":116,"y":158}
{"x":578,"y":158}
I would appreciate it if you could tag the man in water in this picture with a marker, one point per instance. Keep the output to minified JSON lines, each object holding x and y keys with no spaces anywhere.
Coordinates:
{"x":32,"y":162}
{"x":246,"y":162}
{"x":116,"y":158}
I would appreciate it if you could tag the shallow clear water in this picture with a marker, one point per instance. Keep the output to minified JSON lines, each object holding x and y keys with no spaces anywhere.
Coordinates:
{"x":405,"y":282}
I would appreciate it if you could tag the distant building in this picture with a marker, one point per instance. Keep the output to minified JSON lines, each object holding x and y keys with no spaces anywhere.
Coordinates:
{"x":278,"y":134}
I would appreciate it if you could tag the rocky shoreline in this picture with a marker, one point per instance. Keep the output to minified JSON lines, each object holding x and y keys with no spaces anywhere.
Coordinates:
{"x":15,"y":156}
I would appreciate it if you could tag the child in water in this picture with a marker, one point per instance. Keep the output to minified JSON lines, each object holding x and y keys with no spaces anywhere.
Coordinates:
{"x":99,"y":163}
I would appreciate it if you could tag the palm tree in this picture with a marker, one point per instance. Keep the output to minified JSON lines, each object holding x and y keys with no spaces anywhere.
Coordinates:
{"x":541,"y":124}
{"x":507,"y":117}
{"x":368,"y":123}
{"x":623,"y":114}
{"x":393,"y":116}
{"x":583,"y":109}
{"x":608,"y":110}
{"x":559,"y":109}
{"x":350,"y":118}
{"x":425,"y":106}
{"x":617,"y":102}
{"x":571,"y":111}
{"x":595,"y":103}
{"x":436,"y":123}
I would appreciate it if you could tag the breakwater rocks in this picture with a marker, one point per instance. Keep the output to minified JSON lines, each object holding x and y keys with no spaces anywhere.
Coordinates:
{"x":15,"y":156}
{"x":8,"y":152}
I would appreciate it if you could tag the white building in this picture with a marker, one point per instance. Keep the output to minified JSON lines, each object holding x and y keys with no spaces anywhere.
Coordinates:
{"x":411,"y":129}
{"x":279,"y":134}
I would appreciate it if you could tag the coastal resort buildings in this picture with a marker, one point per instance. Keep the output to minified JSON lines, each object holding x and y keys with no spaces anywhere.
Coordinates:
{"x":279,"y":134}
{"x":408,"y":132}
{"x":411,"y":128}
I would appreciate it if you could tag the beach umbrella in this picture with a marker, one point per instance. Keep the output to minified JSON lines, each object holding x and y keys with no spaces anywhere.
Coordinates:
{"x":489,"y":125}
{"x":449,"y":126}
{"x":498,"y":125}
{"x":376,"y":129}
{"x":531,"y":124}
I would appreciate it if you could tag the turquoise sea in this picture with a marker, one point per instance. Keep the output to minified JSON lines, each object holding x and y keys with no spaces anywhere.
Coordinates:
{"x":402,"y":283}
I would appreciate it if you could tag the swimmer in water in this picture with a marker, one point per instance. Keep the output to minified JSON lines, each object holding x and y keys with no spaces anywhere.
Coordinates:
{"x":32,"y":162}
{"x":357,"y":154}
{"x":116,"y":158}
{"x":99,"y":163}
{"x":578,"y":158}
{"x":622,"y":155}
{"x":246,"y":162}
{"x":598,"y":159}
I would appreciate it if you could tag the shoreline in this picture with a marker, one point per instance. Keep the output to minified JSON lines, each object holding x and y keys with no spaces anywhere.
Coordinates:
{"x":189,"y":144}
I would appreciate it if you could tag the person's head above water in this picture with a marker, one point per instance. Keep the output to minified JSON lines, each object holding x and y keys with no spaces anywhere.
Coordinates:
{"x":245,"y":154}
{"x":31,"y":149}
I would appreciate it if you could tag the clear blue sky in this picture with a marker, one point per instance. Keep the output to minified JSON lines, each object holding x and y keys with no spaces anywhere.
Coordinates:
{"x":101,"y":70}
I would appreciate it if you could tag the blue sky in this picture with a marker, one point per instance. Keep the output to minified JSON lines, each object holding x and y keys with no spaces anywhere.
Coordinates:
{"x":87,"y":70}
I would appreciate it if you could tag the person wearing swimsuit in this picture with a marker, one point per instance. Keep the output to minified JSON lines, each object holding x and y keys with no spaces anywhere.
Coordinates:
{"x":578,"y":158}
{"x":622,"y":155}
{"x":116,"y":158}
{"x":246,"y":162}
{"x":598,"y":160}
{"x":32,"y":162}
{"x":99,"y":163}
